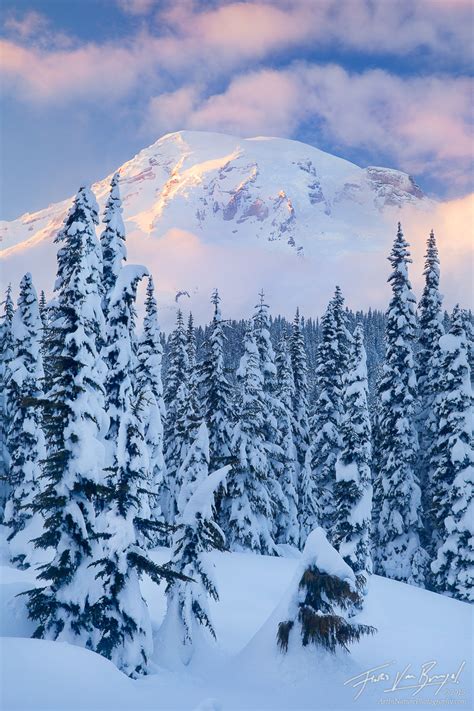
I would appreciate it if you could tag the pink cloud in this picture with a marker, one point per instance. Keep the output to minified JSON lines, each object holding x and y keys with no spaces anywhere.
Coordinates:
{"x":407,"y":120}
{"x":204,"y":43}
{"x":260,"y":102}
{"x":87,"y":71}
{"x":391,"y":26}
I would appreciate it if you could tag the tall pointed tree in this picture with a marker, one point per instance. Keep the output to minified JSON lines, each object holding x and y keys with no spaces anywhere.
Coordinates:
{"x":149,"y":384}
{"x":177,"y":436}
{"x":430,"y":322}
{"x":25,"y":437}
{"x":193,"y":410}
{"x":272,"y":411}
{"x":216,"y":391}
{"x":114,"y":251}
{"x":430,"y":318}
{"x":188,"y":623}
{"x":247,"y":508}
{"x":5,"y":357}
{"x":452,"y":473}
{"x":287,"y":518}
{"x":400,"y":554}
{"x":74,"y":423}
{"x":120,"y":613}
{"x":326,"y":420}
{"x":300,"y":398}
{"x":42,"y":305}
{"x":353,"y":488}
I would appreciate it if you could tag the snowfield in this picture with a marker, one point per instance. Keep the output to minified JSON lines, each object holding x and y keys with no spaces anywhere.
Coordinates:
{"x":417,"y":631}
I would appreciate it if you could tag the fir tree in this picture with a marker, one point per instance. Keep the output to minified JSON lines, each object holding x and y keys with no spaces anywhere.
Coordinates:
{"x":120,"y":613}
{"x":74,"y":424}
{"x":452,"y":479}
{"x":430,"y":317}
{"x":353,"y":489}
{"x":192,"y":417}
{"x":188,"y":622}
{"x":300,"y":398}
{"x":273,"y":412}
{"x":287,"y":518}
{"x":216,"y":391}
{"x":112,"y":240}
{"x":5,"y":358}
{"x":195,"y":467}
{"x":325,"y":424}
{"x":25,"y":438}
{"x":177,"y":398}
{"x":430,"y":331}
{"x":400,"y":554}
{"x":247,"y":508}
{"x":42,"y":306}
{"x":320,"y":606}
{"x":149,"y":384}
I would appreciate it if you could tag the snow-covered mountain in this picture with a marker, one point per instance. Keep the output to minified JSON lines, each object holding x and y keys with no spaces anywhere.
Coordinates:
{"x":194,"y":201}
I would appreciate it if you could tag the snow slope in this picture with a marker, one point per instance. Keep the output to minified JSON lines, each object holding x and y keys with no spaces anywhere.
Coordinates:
{"x":200,"y":206}
{"x":247,"y":672}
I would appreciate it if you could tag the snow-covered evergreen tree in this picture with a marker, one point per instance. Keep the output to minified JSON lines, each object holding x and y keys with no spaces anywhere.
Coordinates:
{"x":42,"y":305}
{"x":247,"y":508}
{"x":177,"y":435}
{"x":120,"y":612}
{"x":326,"y":420}
{"x":430,"y":322}
{"x":5,"y":357}
{"x":273,"y":411}
{"x":325,"y":594}
{"x":195,"y":467}
{"x":216,"y":391}
{"x":149,"y":384}
{"x":74,"y":422}
{"x":287,"y":518}
{"x":452,"y":475}
{"x":25,"y":438}
{"x":353,"y":488}
{"x":309,"y":510}
{"x":399,"y":551}
{"x":112,"y":240}
{"x":430,"y":318}
{"x":300,"y":398}
{"x":192,"y":418}
{"x":188,"y":626}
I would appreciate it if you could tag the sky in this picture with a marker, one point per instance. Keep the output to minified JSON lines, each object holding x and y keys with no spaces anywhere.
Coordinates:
{"x":85,"y":84}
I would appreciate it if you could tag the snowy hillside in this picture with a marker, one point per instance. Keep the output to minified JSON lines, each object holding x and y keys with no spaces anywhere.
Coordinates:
{"x":414,"y":627}
{"x":195,"y":201}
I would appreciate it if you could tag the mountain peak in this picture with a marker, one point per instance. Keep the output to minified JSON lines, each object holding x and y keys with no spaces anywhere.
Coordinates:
{"x":225,"y":192}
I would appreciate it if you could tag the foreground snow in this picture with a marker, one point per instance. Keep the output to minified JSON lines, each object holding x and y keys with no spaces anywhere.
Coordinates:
{"x":246,"y":672}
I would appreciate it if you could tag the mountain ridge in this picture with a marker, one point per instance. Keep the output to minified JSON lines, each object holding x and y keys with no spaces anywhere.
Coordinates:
{"x":180,"y":162}
{"x":207,"y":210}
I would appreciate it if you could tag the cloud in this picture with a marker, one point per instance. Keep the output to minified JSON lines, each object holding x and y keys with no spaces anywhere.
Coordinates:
{"x":389,"y":27}
{"x":404,"y":121}
{"x":192,"y":39}
{"x":34,"y":29}
{"x":211,"y":65}
{"x":89,"y":71}
{"x":27,"y":26}
{"x":136,"y":7}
